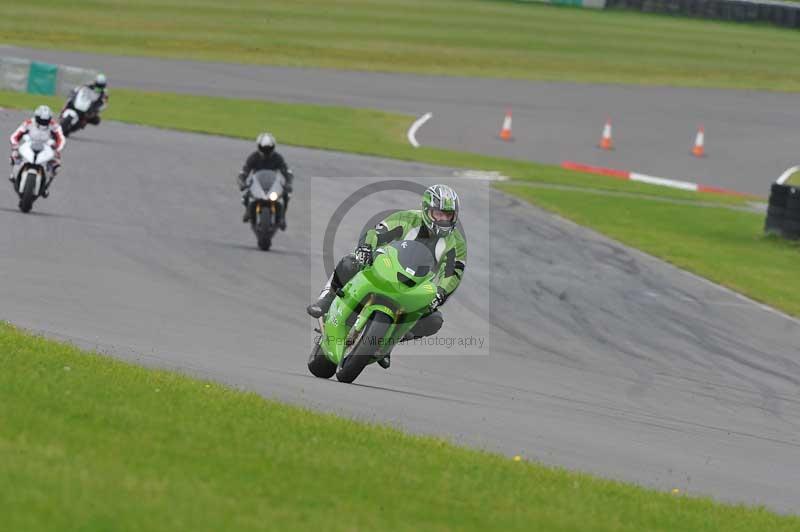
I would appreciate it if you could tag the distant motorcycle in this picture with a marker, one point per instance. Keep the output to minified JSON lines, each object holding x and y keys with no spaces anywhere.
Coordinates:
{"x":79,"y":110}
{"x":265,"y":204}
{"x":36,"y":151}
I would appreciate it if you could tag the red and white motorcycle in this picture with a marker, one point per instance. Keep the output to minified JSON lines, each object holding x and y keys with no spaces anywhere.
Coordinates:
{"x":31,"y":178}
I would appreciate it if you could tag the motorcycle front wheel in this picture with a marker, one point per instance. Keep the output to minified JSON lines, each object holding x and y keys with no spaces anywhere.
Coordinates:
{"x":65,"y":125}
{"x":27,"y":198}
{"x":364,"y":348}
{"x":264,"y":231}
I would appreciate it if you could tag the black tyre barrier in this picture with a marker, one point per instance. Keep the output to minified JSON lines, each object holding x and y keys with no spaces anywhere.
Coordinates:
{"x":783,"y":212}
{"x":785,"y":14}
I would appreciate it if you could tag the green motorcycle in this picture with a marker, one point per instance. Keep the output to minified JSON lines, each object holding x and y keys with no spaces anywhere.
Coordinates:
{"x":373,"y":312}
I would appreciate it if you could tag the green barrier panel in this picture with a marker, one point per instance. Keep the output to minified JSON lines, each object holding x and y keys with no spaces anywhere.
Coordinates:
{"x":42,"y":78}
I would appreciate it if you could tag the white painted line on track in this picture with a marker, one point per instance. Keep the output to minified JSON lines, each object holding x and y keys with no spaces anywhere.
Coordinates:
{"x":662,"y":181}
{"x":412,"y":131}
{"x":480,"y":175}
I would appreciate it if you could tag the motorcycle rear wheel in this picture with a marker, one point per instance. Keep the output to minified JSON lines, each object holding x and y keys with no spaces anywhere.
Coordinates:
{"x":264,"y":231}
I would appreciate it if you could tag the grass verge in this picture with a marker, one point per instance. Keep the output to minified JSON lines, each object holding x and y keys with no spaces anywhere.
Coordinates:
{"x":90,"y":443}
{"x":516,"y":40}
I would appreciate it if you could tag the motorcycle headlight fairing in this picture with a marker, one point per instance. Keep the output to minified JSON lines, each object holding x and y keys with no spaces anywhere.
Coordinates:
{"x":273,"y":196}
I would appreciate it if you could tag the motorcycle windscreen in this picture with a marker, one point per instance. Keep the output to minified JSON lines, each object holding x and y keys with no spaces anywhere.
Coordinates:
{"x":84,"y":99}
{"x":261,"y":183}
{"x":414,"y":257}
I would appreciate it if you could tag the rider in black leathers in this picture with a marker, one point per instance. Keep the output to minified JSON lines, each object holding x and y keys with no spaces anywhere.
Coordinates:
{"x":266,"y":158}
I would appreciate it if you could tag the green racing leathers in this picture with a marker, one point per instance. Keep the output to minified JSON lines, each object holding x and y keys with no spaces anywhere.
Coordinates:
{"x":449,"y":251}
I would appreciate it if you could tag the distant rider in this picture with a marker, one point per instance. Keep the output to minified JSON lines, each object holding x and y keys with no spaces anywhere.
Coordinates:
{"x":435,"y":226}
{"x":99,"y":86}
{"x":265,"y":158}
{"x":42,"y":121}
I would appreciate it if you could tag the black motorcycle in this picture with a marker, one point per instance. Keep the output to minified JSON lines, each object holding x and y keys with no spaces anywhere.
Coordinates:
{"x":265,"y":205}
{"x":83,"y":107}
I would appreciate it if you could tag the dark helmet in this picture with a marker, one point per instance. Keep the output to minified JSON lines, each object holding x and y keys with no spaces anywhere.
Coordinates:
{"x":440,"y":209}
{"x":266,"y":143}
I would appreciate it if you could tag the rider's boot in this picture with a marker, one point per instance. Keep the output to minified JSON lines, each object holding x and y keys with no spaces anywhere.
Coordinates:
{"x":245,"y":202}
{"x":12,"y":175}
{"x":46,"y":188}
{"x":282,"y":224}
{"x":385,"y":362}
{"x":318,"y":308}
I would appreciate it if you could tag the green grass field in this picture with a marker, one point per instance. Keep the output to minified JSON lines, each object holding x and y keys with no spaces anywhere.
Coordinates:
{"x":92,"y":444}
{"x":490,"y":38}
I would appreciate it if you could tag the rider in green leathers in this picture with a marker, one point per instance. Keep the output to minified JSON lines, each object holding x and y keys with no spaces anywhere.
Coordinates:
{"x":435,"y":225}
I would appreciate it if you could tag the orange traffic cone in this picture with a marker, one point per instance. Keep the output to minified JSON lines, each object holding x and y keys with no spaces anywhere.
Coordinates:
{"x":699,"y":149}
{"x":606,"y":141}
{"x":505,"y":132}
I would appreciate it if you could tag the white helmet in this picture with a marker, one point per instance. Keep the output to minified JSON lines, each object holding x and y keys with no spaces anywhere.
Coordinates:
{"x":266,"y":143}
{"x":100,"y":81}
{"x":42,"y":116}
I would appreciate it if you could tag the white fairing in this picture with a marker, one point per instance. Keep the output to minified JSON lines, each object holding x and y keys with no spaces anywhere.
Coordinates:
{"x":26,"y":153}
{"x":36,"y":147}
{"x":71,"y":114}
{"x":36,"y":151}
{"x":31,"y":174}
{"x":45,"y":156}
{"x":84,"y":99}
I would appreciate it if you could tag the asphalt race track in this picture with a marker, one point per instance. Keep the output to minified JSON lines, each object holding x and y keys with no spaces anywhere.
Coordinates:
{"x":597,"y":357}
{"x":751,"y":137}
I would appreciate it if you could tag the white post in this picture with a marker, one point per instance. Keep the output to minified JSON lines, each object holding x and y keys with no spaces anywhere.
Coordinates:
{"x":787,"y":174}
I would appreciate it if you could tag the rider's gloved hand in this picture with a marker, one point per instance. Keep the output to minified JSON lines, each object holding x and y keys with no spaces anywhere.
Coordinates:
{"x":441,"y":296}
{"x":363,"y":255}
{"x":241,"y":180}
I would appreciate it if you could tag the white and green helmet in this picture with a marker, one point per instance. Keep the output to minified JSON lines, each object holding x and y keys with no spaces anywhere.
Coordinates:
{"x":440,"y":209}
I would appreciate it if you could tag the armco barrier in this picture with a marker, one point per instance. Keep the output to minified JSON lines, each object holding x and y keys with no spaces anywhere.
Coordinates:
{"x":785,"y":14}
{"x":22,"y":75}
{"x":14,"y":74}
